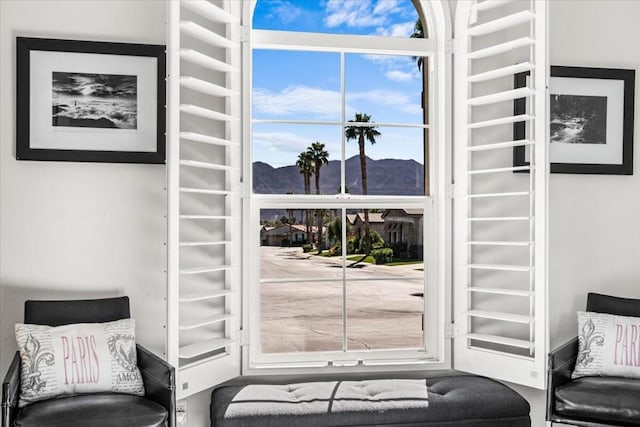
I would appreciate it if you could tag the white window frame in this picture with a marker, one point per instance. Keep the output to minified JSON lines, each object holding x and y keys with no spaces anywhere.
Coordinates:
{"x":437,"y":206}
{"x":231,"y":35}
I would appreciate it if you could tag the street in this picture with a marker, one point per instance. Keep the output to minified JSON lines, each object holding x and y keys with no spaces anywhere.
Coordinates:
{"x":307,"y":315}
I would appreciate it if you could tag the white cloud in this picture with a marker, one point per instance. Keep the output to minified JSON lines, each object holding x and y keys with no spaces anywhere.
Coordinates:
{"x":285,"y":11}
{"x":281,"y":141}
{"x":380,"y":59}
{"x":365,"y":13}
{"x":386,"y":6}
{"x":390,"y":62}
{"x":395,"y":68}
{"x":304,"y":100}
{"x":352,"y":13}
{"x":397,"y":100}
{"x":399,"y":76}
{"x":404,"y":29}
{"x":296,"y":100}
{"x":281,"y":148}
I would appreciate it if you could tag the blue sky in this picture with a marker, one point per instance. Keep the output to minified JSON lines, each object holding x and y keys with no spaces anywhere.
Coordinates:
{"x":297,"y":85}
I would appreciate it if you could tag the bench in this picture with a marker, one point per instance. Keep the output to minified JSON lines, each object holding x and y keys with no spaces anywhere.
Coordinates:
{"x":446,"y":399}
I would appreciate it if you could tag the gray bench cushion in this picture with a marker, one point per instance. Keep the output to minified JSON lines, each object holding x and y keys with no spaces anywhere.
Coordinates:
{"x":457,"y":400}
{"x":319,"y":398}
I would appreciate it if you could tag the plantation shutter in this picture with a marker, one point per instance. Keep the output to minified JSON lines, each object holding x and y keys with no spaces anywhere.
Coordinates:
{"x":203,"y":193}
{"x":500,"y":208}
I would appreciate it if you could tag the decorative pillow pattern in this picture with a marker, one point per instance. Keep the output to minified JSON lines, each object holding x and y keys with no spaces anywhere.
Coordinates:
{"x":608,"y":345}
{"x":79,"y":358}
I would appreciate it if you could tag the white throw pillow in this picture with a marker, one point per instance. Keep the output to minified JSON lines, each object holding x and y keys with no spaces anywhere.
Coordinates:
{"x":608,"y":345}
{"x":78,"y":358}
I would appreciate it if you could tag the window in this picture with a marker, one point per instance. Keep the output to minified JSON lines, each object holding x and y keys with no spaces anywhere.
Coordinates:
{"x":343,"y":198}
{"x":249,"y":212}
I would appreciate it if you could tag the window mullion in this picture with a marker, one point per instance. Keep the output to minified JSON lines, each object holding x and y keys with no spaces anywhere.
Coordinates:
{"x":343,"y":190}
{"x":343,"y":217}
{"x":343,"y":114}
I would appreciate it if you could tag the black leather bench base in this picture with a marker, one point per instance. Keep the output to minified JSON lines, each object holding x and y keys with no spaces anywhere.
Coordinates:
{"x":453,"y":400}
{"x":95,"y":410}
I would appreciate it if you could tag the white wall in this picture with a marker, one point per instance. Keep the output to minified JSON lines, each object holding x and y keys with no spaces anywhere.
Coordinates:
{"x":594,"y":220}
{"x":594,"y":224}
{"x":79,"y":230}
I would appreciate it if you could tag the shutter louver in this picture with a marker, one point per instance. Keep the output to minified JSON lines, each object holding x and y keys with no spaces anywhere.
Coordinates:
{"x":500,"y":230}
{"x":204,"y":193}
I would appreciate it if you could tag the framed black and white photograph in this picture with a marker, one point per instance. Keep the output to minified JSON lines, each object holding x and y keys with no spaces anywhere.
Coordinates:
{"x":591,"y":121}
{"x":88,"y":101}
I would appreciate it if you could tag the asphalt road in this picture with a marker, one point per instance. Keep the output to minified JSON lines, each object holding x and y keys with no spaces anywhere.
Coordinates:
{"x":306,"y":315}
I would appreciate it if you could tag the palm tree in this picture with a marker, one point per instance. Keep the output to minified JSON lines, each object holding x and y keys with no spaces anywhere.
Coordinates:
{"x":418,"y":33}
{"x":363,"y":134}
{"x":320,"y":158}
{"x":306,"y":165}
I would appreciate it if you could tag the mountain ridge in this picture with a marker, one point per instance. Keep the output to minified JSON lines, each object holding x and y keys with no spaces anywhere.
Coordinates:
{"x":384,"y":177}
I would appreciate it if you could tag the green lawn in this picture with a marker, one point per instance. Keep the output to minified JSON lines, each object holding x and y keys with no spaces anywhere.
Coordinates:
{"x":403,"y":262}
{"x":368,"y":259}
{"x":396,"y":261}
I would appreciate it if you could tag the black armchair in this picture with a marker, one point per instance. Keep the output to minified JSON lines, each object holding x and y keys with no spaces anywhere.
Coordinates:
{"x":592,"y":401}
{"x":156,"y":408}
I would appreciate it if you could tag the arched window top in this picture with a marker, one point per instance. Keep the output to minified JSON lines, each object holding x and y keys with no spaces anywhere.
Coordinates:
{"x":390,"y":18}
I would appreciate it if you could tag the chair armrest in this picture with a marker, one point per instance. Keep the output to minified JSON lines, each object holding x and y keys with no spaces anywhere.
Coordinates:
{"x":562,"y":360}
{"x":11,"y":391}
{"x":561,"y":363}
{"x":159,"y":381}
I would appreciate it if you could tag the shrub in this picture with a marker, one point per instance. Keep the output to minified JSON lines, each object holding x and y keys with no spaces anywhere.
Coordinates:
{"x":352,"y":243}
{"x":307,"y":248}
{"x":376,"y":242}
{"x":383,"y":255}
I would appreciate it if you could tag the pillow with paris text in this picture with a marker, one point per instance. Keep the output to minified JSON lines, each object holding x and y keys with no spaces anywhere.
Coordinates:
{"x":608,"y":345}
{"x":78,"y":358}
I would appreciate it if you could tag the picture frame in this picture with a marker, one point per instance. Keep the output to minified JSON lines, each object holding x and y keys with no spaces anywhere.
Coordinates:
{"x":90,"y":101}
{"x":591,"y":120}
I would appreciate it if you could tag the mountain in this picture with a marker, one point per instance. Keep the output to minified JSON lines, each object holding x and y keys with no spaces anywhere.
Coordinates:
{"x":384,"y":177}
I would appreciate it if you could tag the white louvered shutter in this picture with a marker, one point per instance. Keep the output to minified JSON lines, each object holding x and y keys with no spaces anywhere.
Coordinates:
{"x":204,"y":158}
{"x":500,"y":209}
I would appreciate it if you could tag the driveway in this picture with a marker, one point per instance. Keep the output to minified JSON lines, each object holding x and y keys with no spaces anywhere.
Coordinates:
{"x":306,"y":314}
